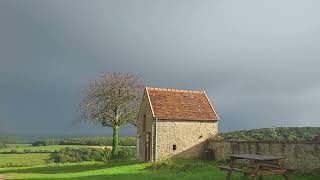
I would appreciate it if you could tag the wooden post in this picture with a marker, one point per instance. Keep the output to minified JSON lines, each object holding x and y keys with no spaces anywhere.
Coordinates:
{"x":286,"y":176}
{"x":228,"y":177}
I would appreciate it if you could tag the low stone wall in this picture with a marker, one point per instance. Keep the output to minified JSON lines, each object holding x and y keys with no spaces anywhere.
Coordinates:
{"x":304,"y":156}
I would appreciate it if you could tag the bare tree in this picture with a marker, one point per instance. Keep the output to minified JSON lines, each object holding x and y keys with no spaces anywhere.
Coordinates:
{"x":112,"y":101}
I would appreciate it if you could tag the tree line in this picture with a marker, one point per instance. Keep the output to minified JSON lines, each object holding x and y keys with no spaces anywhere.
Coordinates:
{"x":90,"y":141}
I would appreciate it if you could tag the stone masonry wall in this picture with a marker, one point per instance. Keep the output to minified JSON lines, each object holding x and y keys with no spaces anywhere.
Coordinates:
{"x":298,"y":156}
{"x":188,"y":136}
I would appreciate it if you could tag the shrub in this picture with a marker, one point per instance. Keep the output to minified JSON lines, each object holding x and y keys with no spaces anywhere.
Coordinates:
{"x":27,"y":151}
{"x":108,"y":151}
{"x":13,"y":151}
{"x":178,"y":165}
{"x":40,"y":143}
{"x":127,"y":141}
{"x":126,"y":153}
{"x":163,"y":164}
{"x":3,"y":145}
{"x":91,"y":154}
{"x":46,"y":142}
{"x":79,"y":155}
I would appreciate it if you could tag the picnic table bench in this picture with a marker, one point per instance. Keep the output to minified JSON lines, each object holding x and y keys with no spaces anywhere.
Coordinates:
{"x":259,"y":166}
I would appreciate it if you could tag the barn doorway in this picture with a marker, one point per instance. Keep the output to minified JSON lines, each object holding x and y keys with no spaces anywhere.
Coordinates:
{"x":147,"y":151}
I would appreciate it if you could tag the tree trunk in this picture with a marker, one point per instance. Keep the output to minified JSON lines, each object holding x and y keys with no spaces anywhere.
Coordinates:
{"x":115,"y":141}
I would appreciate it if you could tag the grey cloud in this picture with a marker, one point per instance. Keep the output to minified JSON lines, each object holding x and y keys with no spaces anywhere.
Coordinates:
{"x":257,"y":60}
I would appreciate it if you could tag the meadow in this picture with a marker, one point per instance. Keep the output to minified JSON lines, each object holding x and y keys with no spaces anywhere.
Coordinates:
{"x":29,"y":159}
{"x":38,"y":155}
{"x":24,"y":161}
{"x":51,"y":148}
{"x":129,"y":170}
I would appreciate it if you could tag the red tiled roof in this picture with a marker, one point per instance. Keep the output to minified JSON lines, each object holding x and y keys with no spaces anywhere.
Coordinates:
{"x":180,"y":104}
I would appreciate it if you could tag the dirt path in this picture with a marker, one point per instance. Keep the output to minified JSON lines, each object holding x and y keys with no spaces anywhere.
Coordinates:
{"x":2,"y":177}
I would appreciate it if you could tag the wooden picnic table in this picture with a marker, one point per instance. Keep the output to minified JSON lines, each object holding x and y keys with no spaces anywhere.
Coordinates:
{"x":258,"y":166}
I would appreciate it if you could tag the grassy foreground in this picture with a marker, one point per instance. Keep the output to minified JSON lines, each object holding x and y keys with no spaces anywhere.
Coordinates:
{"x":30,"y":159}
{"x":127,"y":171}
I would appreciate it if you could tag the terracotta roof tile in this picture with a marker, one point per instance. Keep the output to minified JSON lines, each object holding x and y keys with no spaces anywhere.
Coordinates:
{"x":180,"y":104}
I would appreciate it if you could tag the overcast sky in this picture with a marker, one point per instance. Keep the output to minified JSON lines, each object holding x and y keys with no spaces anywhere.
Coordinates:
{"x":257,"y":60}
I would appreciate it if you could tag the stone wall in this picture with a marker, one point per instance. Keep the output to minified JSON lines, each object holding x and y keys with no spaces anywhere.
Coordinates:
{"x":187,"y":136}
{"x":305,"y":156}
{"x":317,"y":139}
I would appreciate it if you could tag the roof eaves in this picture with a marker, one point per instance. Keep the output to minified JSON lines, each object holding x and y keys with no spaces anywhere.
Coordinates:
{"x":140,"y":105}
{"x":211,"y":106}
{"x":184,"y":119}
{"x":150,"y":102}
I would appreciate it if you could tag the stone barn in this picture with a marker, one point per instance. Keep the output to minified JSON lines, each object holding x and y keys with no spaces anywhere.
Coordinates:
{"x":174,"y":123}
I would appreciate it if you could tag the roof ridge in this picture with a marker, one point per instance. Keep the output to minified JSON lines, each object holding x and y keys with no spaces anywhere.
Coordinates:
{"x":175,"y":90}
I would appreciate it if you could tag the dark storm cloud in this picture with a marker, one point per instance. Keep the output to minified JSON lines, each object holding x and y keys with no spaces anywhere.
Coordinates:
{"x":257,"y":60}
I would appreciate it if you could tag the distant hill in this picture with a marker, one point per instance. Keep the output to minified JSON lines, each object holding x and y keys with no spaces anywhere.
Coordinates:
{"x":278,"y":134}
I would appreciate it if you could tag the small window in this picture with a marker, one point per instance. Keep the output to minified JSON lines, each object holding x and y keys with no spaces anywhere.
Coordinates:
{"x":174,"y":147}
{"x":144,"y":123}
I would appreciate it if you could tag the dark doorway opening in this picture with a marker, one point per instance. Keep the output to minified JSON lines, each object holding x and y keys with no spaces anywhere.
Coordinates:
{"x":147,"y":156}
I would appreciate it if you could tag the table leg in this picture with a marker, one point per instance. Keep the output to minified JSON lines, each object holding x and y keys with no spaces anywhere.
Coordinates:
{"x":254,"y":177}
{"x":230,"y":171}
{"x":229,"y":175}
{"x":286,"y":176}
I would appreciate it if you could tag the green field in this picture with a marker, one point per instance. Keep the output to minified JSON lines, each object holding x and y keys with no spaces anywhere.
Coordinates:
{"x":29,"y":159}
{"x":127,"y":171}
{"x":52,"y":148}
